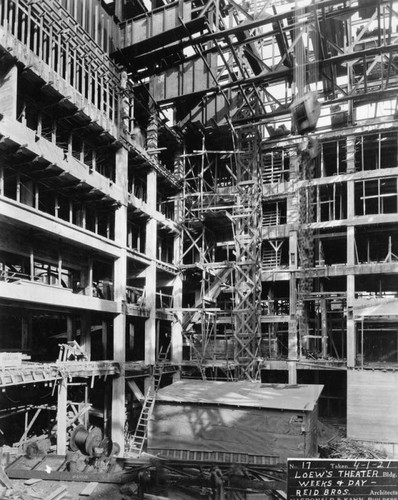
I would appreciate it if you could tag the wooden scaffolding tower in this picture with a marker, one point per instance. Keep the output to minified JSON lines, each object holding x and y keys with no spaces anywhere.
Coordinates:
{"x":247,"y":228}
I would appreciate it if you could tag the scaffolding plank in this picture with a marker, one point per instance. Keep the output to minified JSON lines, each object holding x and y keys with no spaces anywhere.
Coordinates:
{"x":89,"y":489}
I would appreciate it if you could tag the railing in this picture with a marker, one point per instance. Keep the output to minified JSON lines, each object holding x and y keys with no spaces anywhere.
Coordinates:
{"x":102,"y":289}
{"x":10,"y":275}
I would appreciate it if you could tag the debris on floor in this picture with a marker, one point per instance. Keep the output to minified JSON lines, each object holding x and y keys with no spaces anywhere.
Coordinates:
{"x":173,"y":479}
{"x":350,"y":449}
{"x":329,"y":430}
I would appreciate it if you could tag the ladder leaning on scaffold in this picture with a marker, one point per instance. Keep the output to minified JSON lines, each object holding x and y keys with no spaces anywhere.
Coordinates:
{"x":138,"y":440}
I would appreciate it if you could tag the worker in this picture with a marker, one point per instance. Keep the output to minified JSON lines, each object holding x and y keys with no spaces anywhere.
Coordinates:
{"x":236,"y":477}
{"x":144,"y":479}
{"x":217,"y":484}
{"x":159,"y":473}
{"x":138,"y":135}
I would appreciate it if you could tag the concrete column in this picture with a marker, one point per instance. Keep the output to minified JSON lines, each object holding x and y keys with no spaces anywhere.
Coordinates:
{"x":87,"y":278}
{"x":351,"y":343}
{"x":119,"y":9}
{"x":8,"y":92}
{"x":150,"y":274}
{"x":118,"y":385}
{"x":150,"y":293}
{"x":293,"y":344}
{"x":350,"y":200}
{"x":292,"y":372}
{"x":61,"y":416}
{"x":119,"y":321}
{"x":351,"y":347}
{"x":350,"y":155}
{"x":176,"y":328}
{"x":152,"y":189}
{"x":121,"y":174}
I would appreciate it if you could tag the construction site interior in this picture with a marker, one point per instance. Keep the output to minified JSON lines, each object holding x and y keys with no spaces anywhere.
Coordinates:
{"x":198,"y":232}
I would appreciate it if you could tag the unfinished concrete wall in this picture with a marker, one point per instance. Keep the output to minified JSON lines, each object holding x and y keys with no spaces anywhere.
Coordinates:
{"x":372,"y":407}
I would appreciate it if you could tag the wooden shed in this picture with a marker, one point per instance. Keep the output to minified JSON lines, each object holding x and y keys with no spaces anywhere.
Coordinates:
{"x":277,"y":421}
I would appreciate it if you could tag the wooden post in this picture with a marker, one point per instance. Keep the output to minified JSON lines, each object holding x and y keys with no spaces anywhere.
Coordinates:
{"x":36,"y":196}
{"x":129,"y":236}
{"x":18,"y":188}
{"x":107,"y":406}
{"x":56,"y":207}
{"x":61,"y":416}
{"x":104,"y":339}
{"x":85,"y":333}
{"x":131,"y":340}
{"x":59,"y":266}
{"x":70,"y":143}
{"x":25,"y":340}
{"x":69,"y":328}
{"x":39,"y":124}
{"x":53,"y":127}
{"x":1,"y":179}
{"x":71,"y":211}
{"x":32,"y":263}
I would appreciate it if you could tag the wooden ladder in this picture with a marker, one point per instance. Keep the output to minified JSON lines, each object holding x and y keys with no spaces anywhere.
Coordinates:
{"x":141,"y":431}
